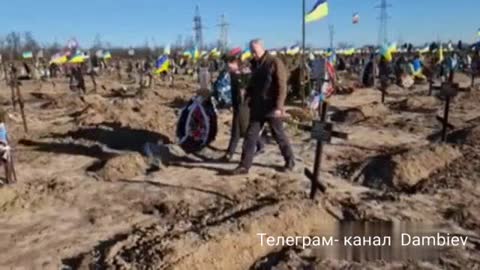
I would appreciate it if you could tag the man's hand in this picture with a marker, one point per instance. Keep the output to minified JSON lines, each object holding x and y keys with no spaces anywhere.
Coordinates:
{"x":278,"y":113}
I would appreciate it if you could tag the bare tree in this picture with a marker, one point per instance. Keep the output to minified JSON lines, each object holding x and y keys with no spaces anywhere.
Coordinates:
{"x":178,"y":43}
{"x":30,"y":44}
{"x":189,"y":43}
{"x":13,"y":44}
{"x":97,"y":42}
{"x":344,"y":45}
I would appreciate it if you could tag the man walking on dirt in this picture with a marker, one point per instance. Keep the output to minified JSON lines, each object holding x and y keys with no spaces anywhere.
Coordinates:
{"x":267,"y":92}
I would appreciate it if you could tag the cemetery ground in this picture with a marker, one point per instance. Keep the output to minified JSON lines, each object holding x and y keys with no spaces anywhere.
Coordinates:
{"x":87,"y":198}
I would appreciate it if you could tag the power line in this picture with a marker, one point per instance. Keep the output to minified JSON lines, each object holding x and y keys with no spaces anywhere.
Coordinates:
{"x":223,"y":41}
{"x":198,"y":28}
{"x":383,"y":28}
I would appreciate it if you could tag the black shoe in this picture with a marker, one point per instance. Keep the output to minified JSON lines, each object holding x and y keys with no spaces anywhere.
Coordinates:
{"x":260,"y":151}
{"x":239,"y":171}
{"x":227,"y":158}
{"x":289,"y":167}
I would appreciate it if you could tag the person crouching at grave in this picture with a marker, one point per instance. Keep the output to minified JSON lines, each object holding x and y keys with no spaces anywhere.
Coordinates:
{"x":5,"y":151}
{"x":239,"y":78}
{"x":267,"y":91}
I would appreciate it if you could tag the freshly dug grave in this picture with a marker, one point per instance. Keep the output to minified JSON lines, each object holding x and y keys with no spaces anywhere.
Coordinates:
{"x":405,"y":169}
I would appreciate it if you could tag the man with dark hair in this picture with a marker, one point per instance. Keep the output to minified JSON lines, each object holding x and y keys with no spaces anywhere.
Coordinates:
{"x":267,"y":92}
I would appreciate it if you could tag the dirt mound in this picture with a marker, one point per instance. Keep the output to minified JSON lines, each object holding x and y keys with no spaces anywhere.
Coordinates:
{"x":62,"y":101}
{"x":7,"y":197}
{"x":417,"y":104}
{"x":374,"y":110}
{"x":404,"y":170}
{"x":124,"y":167}
{"x":138,"y":114}
{"x":299,"y":114}
{"x":473,"y":136}
{"x":348,"y":116}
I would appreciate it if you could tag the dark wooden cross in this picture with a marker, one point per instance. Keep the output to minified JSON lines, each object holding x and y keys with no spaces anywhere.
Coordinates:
{"x":447,"y":91}
{"x":322,"y":131}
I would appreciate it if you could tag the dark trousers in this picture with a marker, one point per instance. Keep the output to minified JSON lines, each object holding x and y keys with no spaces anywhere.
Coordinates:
{"x":253,"y":135}
{"x":236,"y":135}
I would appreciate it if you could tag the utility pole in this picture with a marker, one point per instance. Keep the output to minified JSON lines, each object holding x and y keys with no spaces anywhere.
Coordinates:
{"x":223,"y":41}
{"x":198,"y":28}
{"x":383,"y":29}
{"x":331,"y":31}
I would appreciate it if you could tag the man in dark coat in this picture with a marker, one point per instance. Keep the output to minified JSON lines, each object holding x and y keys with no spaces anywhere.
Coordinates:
{"x":267,"y":92}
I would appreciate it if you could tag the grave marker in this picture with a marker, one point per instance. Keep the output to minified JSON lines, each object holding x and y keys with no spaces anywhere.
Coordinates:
{"x":447,"y":91}
{"x":322,"y":131}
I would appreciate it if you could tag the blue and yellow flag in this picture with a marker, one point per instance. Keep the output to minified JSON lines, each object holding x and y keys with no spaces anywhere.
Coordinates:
{"x":162,"y":64}
{"x":196,"y":54}
{"x":59,"y":59}
{"x":295,"y":49}
{"x":440,"y":54}
{"x":246,"y":54}
{"x":107,"y":56}
{"x":215,"y":53}
{"x":318,"y":12}
{"x":77,"y":58}
{"x":388,"y":50}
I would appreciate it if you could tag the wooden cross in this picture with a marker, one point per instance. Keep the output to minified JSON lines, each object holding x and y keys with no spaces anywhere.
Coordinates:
{"x":322,"y":131}
{"x":447,"y":91}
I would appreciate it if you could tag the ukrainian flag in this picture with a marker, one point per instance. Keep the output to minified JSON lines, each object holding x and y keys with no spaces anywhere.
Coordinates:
{"x":388,"y":50}
{"x":246,"y":55}
{"x":318,"y":12}
{"x":77,"y":59}
{"x":107,"y":56}
{"x":196,"y":54}
{"x":293,"y":50}
{"x":215,"y":53}
{"x":59,"y":59}
{"x":440,"y":54}
{"x":187,"y":54}
{"x":162,"y":64}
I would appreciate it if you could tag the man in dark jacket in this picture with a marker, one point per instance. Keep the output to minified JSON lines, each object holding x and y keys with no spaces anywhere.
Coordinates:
{"x":267,"y":92}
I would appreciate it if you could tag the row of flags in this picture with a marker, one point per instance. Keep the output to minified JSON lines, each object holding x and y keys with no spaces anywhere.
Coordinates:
{"x":78,"y":57}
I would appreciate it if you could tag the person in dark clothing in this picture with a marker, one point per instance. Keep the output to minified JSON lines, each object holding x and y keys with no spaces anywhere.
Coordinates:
{"x":384,"y":72}
{"x":267,"y":91}
{"x":368,"y":76}
{"x":239,"y":80}
{"x":77,"y":76}
{"x":147,"y":72}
